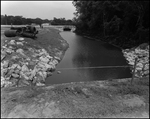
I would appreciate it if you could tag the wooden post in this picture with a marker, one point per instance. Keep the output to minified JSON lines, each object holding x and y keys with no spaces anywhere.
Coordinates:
{"x":142,"y":71}
{"x":134,"y":68}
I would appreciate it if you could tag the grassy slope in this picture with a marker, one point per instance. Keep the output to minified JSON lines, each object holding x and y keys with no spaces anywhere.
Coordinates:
{"x":116,"y":98}
{"x":47,"y":38}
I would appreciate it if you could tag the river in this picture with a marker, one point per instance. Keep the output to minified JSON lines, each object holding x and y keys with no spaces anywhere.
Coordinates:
{"x":82,"y":58}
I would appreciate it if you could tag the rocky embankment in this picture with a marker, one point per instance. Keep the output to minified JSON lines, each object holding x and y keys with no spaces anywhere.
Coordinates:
{"x":142,"y":54}
{"x":25,"y":61}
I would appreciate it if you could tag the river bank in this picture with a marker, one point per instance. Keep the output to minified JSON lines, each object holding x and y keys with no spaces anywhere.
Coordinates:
{"x":118,"y":41}
{"x":141,"y":52}
{"x":26,"y":61}
{"x":116,"y":98}
{"x":111,"y":98}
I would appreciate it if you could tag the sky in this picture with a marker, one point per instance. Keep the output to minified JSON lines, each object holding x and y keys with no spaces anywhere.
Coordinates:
{"x":38,"y":9}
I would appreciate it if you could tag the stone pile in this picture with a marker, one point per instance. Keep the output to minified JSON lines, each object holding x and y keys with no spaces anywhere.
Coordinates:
{"x":30,"y":67}
{"x":142,"y":55}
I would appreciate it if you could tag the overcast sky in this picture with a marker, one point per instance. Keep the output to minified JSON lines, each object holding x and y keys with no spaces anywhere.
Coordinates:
{"x":38,"y":9}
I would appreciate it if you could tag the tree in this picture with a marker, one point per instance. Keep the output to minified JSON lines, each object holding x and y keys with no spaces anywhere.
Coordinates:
{"x":19,"y":20}
{"x":120,"y":19}
{"x":6,"y":19}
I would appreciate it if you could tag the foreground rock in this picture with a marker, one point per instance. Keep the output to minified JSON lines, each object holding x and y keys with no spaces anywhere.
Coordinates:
{"x":25,"y":61}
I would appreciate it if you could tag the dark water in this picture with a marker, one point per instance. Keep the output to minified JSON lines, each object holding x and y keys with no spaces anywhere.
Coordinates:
{"x":84,"y":52}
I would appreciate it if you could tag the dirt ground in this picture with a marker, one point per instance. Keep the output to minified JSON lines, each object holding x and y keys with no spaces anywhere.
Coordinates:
{"x":116,"y":98}
{"x":112,"y":98}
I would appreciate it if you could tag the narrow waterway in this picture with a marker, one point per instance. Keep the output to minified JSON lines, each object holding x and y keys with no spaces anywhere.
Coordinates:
{"x":84,"y":52}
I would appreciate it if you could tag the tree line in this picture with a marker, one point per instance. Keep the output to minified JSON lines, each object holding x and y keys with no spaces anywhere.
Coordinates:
{"x":20,"y":20}
{"x":61,"y":21}
{"x":125,"y":23}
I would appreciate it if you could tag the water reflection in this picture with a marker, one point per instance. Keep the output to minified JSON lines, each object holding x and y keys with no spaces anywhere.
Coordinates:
{"x":96,"y":53}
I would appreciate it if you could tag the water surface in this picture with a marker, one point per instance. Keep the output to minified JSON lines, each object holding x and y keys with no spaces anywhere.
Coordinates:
{"x":83,"y":52}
